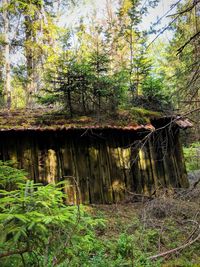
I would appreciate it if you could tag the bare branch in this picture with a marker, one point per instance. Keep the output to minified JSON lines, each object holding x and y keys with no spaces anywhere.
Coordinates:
{"x":165,"y":15}
{"x":187,"y":9}
{"x":163,"y":30}
{"x":172,"y":251}
{"x":190,"y":101}
{"x":188,"y":41}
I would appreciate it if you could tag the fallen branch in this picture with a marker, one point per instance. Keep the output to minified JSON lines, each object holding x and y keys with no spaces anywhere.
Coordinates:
{"x":142,"y":196}
{"x":172,"y":251}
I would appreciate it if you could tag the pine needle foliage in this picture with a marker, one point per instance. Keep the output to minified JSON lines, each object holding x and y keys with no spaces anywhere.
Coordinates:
{"x":37,"y":228}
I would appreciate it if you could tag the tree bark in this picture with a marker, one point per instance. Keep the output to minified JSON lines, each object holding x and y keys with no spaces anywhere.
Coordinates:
{"x":7,"y":84}
{"x":29,"y":61}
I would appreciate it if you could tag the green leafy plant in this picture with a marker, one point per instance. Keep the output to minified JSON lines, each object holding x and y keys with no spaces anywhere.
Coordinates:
{"x":192,"y":156}
{"x":154,"y":96}
{"x":37,"y":227}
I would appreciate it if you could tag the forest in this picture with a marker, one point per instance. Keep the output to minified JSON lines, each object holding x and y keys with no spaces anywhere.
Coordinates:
{"x":118,"y":69}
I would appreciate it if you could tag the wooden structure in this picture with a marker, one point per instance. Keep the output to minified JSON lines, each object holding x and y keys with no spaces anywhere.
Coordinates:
{"x":107,"y":162}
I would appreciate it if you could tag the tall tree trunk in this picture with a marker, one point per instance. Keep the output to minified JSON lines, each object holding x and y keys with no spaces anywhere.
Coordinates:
{"x":131,"y":61}
{"x":31,"y":60}
{"x":7,"y":85}
{"x":197,"y":54}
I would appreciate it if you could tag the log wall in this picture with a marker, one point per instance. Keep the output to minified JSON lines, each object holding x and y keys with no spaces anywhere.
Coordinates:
{"x":107,"y":164}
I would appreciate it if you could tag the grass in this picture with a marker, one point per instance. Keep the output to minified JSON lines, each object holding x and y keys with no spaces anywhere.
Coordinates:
{"x":122,"y":234}
{"x":136,"y":231}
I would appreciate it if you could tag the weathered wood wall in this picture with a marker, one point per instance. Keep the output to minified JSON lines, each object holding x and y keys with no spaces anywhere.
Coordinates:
{"x":107,"y":164}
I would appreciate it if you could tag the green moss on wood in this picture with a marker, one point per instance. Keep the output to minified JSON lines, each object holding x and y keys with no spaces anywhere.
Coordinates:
{"x":47,"y":119}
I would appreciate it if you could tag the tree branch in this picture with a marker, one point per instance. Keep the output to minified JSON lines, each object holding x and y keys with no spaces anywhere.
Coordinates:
{"x":163,"y":30}
{"x":14,"y":252}
{"x":163,"y":254}
{"x":187,"y":9}
{"x":188,"y":41}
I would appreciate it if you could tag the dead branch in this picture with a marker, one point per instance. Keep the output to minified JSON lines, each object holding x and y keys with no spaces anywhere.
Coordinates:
{"x":189,"y":112}
{"x":187,"y":9}
{"x":186,"y":43}
{"x":144,"y":141}
{"x":190,"y":101}
{"x":163,"y":30}
{"x":165,"y":15}
{"x":172,"y":251}
{"x":136,"y":197}
{"x":194,"y":76}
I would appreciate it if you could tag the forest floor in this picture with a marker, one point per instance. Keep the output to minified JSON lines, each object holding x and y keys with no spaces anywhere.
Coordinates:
{"x":142,"y":229}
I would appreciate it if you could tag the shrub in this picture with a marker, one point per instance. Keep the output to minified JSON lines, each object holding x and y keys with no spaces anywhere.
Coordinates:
{"x":192,"y":156}
{"x":37,"y":228}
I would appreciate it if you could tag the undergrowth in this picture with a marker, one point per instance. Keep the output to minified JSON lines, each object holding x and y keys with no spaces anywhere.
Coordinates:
{"x":192,"y":156}
{"x":39,"y":229}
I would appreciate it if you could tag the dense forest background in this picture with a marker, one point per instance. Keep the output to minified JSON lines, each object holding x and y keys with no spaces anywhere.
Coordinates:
{"x":100,"y":63}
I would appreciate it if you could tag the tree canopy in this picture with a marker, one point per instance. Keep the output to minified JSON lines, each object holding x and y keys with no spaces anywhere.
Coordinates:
{"x":101,"y":63}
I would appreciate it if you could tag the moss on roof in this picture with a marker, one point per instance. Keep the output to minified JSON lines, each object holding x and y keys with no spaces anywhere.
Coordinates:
{"x":40,"y":119}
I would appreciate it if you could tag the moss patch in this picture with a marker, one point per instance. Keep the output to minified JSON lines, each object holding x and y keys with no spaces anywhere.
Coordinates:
{"x":51,"y":120}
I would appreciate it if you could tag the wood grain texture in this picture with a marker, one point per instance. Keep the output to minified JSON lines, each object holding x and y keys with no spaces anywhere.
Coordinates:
{"x":105,"y":163}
